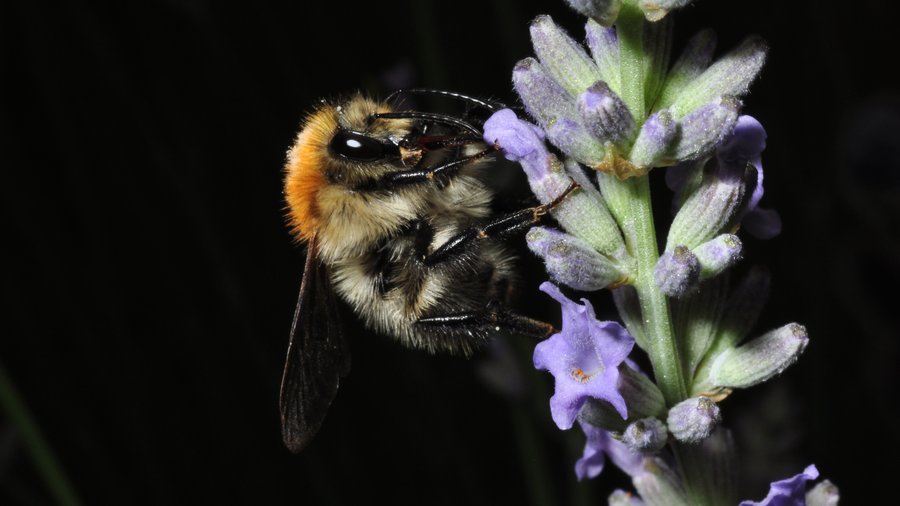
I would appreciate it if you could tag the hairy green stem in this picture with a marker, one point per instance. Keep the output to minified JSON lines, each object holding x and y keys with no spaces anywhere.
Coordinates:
{"x":657,"y":321}
{"x":35,"y":445}
{"x":662,"y":346}
{"x":630,"y":32}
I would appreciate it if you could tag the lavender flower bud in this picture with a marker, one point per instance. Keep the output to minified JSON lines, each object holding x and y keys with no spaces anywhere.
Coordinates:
{"x":705,"y":128}
{"x":730,"y":75}
{"x":694,"y":419}
{"x":677,"y":272}
{"x":760,"y":359}
{"x":571,"y":261}
{"x":711,"y":209}
{"x":654,"y":10}
{"x":659,"y":485}
{"x":523,"y":142}
{"x":573,"y":139}
{"x":604,"y":46}
{"x":641,"y":395}
{"x":604,"y":12}
{"x":623,"y":498}
{"x":605,"y":114}
{"x":544,"y":99}
{"x":654,"y":140}
{"x":823,"y":494}
{"x":694,"y":59}
{"x":646,"y":436}
{"x":718,"y":254}
{"x":565,"y":60}
{"x":584,"y":214}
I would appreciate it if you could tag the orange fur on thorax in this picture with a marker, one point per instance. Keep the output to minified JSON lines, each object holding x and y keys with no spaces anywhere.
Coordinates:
{"x":304,"y":176}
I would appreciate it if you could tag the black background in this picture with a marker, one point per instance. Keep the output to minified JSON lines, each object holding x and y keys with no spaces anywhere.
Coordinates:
{"x":149,"y":279}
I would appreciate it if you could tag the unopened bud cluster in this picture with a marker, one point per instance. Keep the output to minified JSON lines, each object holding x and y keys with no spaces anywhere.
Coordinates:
{"x":576,"y":97}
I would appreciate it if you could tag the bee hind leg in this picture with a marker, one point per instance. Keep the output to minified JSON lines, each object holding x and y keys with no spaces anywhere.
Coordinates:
{"x":493,"y":318}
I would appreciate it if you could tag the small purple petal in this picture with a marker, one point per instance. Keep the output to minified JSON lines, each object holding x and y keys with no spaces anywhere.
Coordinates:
{"x":565,"y":405}
{"x":517,"y":138}
{"x":743,"y":146}
{"x":592,"y":461}
{"x":625,"y":459}
{"x":520,"y":141}
{"x":746,"y":143}
{"x":788,"y":492}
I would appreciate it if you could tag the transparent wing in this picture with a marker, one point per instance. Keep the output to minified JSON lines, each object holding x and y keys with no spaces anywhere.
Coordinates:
{"x":317,"y":357}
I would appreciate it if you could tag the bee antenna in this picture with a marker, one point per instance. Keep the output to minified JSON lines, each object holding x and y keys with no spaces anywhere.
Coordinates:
{"x":490,"y":105}
{"x":437,"y":118}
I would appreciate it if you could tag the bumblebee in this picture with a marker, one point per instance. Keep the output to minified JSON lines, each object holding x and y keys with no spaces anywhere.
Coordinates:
{"x":398,"y":225}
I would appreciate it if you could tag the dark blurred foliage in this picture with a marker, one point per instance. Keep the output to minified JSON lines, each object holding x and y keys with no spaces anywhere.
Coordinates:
{"x":148,"y":278}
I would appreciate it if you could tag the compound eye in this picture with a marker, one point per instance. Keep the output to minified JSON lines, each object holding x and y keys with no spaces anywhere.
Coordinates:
{"x":356,"y":146}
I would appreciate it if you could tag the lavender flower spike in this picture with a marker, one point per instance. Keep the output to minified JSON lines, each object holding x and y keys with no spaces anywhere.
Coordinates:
{"x":583,"y":358}
{"x":788,"y":492}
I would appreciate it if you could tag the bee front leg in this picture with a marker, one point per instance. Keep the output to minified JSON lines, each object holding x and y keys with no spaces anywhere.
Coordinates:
{"x":421,"y":175}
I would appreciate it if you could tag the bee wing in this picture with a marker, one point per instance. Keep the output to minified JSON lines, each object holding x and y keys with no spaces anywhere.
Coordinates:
{"x":317,"y":357}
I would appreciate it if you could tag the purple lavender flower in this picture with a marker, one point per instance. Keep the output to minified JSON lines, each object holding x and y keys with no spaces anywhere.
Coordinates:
{"x":583,"y":358}
{"x":789,"y":492}
{"x":519,"y":140}
{"x":599,"y":444}
{"x":745,"y":145}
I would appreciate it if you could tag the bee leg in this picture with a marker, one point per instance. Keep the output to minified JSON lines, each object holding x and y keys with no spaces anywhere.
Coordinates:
{"x":421,"y":175}
{"x":492,"y":318}
{"x":499,"y":227}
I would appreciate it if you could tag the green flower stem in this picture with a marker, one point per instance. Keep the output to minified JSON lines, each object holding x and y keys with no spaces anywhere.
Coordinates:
{"x":640,"y":230}
{"x":38,"y":450}
{"x":663,"y":349}
{"x":630,"y":32}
